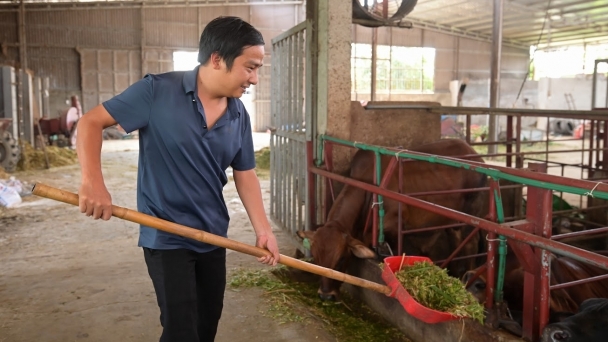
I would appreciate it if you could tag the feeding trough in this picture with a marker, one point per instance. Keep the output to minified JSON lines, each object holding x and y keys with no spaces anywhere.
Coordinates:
{"x":411,"y":306}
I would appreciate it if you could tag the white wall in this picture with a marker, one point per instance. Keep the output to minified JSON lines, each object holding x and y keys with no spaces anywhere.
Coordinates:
{"x":551,"y":92}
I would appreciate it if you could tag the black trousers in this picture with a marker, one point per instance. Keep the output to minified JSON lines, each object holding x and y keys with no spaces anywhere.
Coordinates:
{"x":190,"y":292}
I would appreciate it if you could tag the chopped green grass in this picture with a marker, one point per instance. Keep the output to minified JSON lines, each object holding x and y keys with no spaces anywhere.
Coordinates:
{"x":290,"y":301}
{"x":432,"y":287}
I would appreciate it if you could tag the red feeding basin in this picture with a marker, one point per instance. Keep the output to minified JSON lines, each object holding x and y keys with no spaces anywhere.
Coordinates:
{"x":400,"y":293}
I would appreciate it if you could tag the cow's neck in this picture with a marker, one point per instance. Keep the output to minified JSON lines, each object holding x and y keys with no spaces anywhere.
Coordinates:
{"x":347,"y":208}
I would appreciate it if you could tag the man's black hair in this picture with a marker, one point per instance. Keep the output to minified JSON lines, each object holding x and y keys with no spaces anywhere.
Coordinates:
{"x":228,"y":36}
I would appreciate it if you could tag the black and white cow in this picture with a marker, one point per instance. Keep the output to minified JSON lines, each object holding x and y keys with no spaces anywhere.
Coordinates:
{"x":589,"y":324}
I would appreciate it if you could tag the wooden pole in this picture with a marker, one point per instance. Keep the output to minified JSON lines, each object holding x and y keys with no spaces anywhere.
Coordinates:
{"x":199,"y":235}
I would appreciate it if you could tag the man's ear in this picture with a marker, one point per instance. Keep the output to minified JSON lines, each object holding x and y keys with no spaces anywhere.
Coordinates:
{"x":216,"y":61}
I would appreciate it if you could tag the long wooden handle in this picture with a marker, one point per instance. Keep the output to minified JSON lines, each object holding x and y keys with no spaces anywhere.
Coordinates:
{"x":43,"y":190}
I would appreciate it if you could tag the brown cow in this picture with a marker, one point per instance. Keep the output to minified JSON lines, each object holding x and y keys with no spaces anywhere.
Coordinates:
{"x":563,"y":270}
{"x":333,"y":244}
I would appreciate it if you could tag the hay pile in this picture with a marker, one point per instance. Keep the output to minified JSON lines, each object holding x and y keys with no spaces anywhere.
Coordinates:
{"x":432,"y":287}
{"x":3,"y":174}
{"x":33,"y":159}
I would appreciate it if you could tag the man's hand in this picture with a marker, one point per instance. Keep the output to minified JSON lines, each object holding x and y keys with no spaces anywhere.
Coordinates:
{"x":269,"y":242}
{"x":94,"y":200}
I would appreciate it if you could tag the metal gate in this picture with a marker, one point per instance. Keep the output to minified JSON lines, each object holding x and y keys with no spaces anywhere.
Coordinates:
{"x":289,"y":116}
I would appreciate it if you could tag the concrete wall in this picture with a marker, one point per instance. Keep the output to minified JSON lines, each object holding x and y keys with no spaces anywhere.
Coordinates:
{"x":551,"y":92}
{"x":547,"y":93}
{"x":399,"y":128}
{"x":477,"y":94}
{"x":148,"y":35}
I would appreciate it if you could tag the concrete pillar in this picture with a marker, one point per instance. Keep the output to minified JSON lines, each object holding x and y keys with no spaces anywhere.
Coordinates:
{"x":332,"y":22}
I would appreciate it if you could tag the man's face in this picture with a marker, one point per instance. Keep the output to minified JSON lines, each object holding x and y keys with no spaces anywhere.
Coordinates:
{"x":244,"y":71}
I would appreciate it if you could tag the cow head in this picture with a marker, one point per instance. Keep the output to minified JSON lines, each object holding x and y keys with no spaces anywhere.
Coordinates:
{"x":332,"y":248}
{"x":476,"y":284}
{"x":589,"y":324}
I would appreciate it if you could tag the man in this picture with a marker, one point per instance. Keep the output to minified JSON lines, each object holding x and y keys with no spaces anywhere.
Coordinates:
{"x":191,"y":128}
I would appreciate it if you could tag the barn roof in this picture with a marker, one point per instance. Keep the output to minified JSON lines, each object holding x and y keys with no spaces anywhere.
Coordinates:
{"x":545,"y":23}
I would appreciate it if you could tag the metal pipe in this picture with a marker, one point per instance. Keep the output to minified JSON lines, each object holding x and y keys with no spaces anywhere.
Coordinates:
{"x":462,"y":257}
{"x":374,"y":64}
{"x":329,"y":187}
{"x":502,"y":247}
{"x":581,"y":233}
{"x":578,"y":282}
{"x":459,"y":248}
{"x":428,"y":229}
{"x":554,"y":113}
{"x":47,"y":7}
{"x":544,"y":181}
{"x":504,"y":229}
{"x":375,"y":180}
{"x":21,"y":76}
{"x":311,"y":180}
{"x":491,"y":257}
{"x":509,"y":141}
{"x":444,"y":192}
{"x":605,"y":143}
{"x":495,"y":71}
{"x":593,"y":87}
{"x":580,"y":209}
{"x":400,"y":213}
{"x":538,"y":152}
{"x":599,"y":225}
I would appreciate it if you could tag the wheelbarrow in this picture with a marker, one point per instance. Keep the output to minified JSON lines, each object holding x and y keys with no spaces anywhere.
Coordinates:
{"x":394,"y":288}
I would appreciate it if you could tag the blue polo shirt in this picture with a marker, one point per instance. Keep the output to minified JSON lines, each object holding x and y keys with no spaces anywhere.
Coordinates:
{"x":182,"y":162}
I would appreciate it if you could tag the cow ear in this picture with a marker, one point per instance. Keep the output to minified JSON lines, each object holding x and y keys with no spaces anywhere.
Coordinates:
{"x":593,"y":304}
{"x":306,"y":234}
{"x":359,"y":249}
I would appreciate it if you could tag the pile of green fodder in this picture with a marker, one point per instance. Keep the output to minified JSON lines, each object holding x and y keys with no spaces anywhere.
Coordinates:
{"x":432,"y":287}
{"x":34,"y":159}
{"x":289,"y":301}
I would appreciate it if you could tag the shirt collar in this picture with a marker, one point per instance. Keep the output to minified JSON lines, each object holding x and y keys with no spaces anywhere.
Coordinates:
{"x":189,"y":80}
{"x":190,"y":86}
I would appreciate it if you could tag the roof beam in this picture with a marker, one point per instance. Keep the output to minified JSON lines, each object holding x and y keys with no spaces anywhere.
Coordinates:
{"x":63,"y":6}
{"x":432,"y":26}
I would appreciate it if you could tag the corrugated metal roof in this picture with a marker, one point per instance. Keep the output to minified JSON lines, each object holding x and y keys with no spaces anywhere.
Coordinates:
{"x":546,"y":23}
{"x":556,"y":22}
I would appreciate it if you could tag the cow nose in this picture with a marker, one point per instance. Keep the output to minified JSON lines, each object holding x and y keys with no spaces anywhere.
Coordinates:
{"x":467,"y":276}
{"x":560,"y":336}
{"x":327,"y":296}
{"x":477,"y":284}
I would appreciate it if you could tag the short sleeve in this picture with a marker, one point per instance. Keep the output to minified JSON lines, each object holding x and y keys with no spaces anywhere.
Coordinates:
{"x":245,"y":158}
{"x":131,"y":108}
